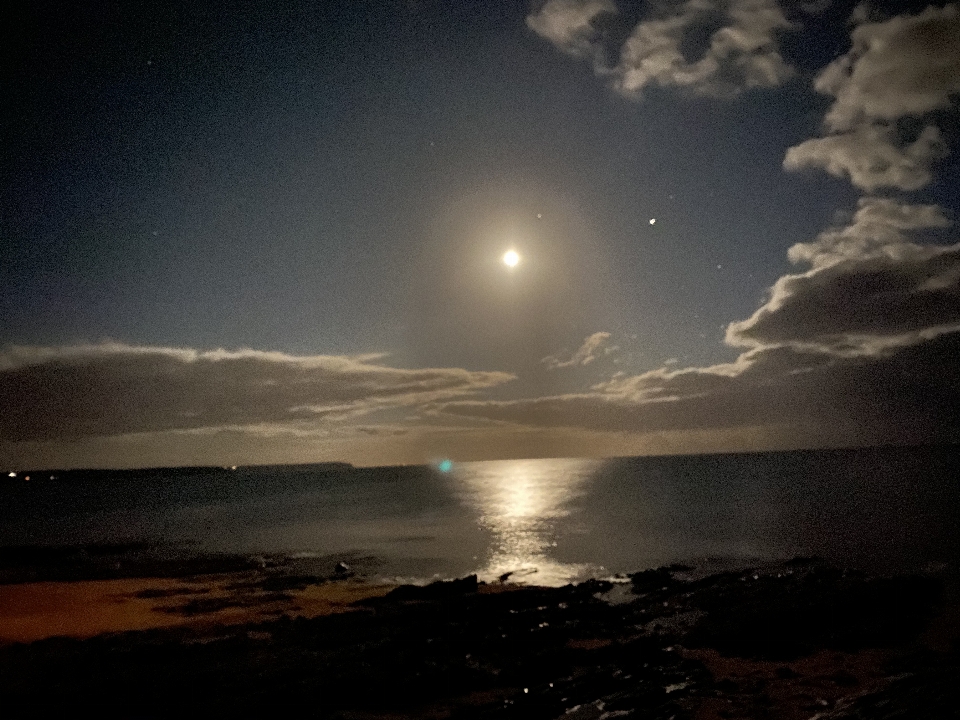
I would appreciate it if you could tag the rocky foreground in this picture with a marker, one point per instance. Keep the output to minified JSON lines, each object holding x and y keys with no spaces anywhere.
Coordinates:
{"x":799,"y":640}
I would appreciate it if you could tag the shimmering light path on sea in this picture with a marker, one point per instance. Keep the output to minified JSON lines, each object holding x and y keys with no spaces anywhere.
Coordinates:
{"x":520,"y":502}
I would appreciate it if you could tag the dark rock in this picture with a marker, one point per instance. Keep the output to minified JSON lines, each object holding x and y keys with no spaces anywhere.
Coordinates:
{"x":435,"y":591}
{"x":276,"y":583}
{"x":931,"y":693}
{"x":651,"y":580}
{"x":787,"y":618}
{"x":802,"y":561}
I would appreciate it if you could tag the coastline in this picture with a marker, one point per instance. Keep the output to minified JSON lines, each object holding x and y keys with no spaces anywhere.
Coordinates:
{"x":798,"y":640}
{"x":86,"y":608}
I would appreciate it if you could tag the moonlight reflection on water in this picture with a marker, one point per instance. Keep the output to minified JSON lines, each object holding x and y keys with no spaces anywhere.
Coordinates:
{"x":521,"y":503}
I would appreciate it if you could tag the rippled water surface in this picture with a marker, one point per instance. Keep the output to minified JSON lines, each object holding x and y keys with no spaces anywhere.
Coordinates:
{"x":525,"y":506}
{"x":542,"y":521}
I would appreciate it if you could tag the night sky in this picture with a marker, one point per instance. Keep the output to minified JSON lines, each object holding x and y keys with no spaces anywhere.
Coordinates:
{"x":260,"y":232}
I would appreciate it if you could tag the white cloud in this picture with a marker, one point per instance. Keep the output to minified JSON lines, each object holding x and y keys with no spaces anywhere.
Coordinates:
{"x":569,"y":24}
{"x":872,"y":157}
{"x":741,"y":53}
{"x":592,"y":348}
{"x":879,"y":226}
{"x":904,"y":67}
{"x":908,"y":65}
{"x":112,"y":388}
{"x":869,"y":287}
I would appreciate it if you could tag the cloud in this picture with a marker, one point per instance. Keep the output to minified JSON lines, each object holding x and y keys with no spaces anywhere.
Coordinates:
{"x":910,"y":393}
{"x":111,"y":389}
{"x":740,"y":51}
{"x":869,"y":286}
{"x":908,"y":65}
{"x":864,"y":347}
{"x":872,"y":157}
{"x":592,"y":348}
{"x":879,"y":226}
{"x":569,"y":24}
{"x":904,"y":67}
{"x":807,"y":397}
{"x":740,"y":54}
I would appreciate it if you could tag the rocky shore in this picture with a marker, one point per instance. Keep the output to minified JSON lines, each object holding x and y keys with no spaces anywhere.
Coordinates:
{"x":794,"y":640}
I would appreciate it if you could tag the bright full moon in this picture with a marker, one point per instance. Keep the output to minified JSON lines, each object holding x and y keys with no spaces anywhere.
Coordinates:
{"x":510,"y":258}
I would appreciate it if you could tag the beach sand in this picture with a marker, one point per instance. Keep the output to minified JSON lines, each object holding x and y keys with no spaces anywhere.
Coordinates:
{"x":83,"y":609}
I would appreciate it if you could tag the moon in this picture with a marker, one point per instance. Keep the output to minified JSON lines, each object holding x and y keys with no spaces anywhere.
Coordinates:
{"x":511,"y":258}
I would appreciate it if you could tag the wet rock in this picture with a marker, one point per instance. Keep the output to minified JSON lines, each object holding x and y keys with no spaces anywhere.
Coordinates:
{"x":652,"y":580}
{"x":931,"y":693}
{"x":438,"y":590}
{"x":786,"y":618}
{"x":279,"y":583}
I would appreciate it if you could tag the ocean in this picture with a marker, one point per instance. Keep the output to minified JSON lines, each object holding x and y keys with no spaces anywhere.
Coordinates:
{"x":545,"y":521}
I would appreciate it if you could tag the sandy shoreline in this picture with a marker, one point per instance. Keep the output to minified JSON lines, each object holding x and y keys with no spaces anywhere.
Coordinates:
{"x":86,"y":608}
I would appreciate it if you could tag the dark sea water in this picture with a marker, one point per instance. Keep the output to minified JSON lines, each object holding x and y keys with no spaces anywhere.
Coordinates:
{"x":546,"y":521}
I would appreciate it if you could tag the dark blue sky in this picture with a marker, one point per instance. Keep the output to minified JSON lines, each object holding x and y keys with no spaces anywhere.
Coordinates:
{"x":343,"y":179}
